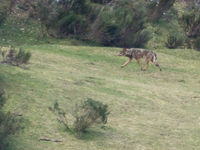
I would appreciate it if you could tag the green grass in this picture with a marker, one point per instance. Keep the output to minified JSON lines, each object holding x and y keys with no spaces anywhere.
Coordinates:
{"x":150,"y":110}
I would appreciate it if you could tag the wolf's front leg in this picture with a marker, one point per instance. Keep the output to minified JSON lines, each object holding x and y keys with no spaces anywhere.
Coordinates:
{"x":126,"y":63}
{"x":147,"y":65}
{"x":157,"y":65}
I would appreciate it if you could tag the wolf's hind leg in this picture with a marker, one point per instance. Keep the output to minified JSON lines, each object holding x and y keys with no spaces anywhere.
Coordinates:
{"x":126,"y":63}
{"x":139,"y":63}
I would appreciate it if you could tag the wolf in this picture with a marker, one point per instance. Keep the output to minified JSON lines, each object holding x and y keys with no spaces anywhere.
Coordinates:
{"x":139,"y":53}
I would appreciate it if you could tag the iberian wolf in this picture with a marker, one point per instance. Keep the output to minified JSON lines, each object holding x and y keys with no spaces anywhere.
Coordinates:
{"x":139,"y":53}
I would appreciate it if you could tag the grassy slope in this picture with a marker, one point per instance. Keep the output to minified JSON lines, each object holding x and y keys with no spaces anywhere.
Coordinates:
{"x":150,"y":110}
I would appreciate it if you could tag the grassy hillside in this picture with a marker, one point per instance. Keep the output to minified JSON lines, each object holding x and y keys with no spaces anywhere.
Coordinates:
{"x":150,"y":110}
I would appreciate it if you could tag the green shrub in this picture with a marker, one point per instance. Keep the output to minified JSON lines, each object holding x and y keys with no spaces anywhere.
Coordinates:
{"x":175,"y":40}
{"x":90,"y":112}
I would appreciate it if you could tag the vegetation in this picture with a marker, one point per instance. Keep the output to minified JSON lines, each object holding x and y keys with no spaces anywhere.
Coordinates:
{"x":143,"y":107}
{"x":85,"y":115}
{"x":89,"y":113}
{"x":191,"y":19}
{"x":69,"y":64}
{"x":90,"y":20}
{"x":123,"y":23}
{"x":126,"y":28}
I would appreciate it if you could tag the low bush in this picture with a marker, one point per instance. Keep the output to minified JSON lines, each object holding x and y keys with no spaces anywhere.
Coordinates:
{"x":89,"y":113}
{"x":15,"y":57}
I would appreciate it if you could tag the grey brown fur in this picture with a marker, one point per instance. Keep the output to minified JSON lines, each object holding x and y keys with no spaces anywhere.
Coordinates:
{"x":139,"y":53}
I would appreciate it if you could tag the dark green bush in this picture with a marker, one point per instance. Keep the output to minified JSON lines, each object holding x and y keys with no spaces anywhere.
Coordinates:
{"x":72,"y":23}
{"x":175,"y":39}
{"x":72,"y":18}
{"x":123,"y":25}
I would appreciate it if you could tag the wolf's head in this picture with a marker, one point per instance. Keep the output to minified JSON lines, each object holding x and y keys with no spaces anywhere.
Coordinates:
{"x":123,"y":52}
